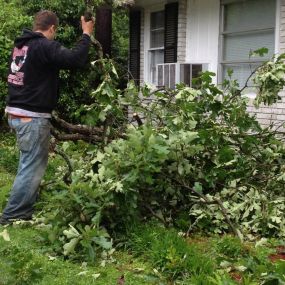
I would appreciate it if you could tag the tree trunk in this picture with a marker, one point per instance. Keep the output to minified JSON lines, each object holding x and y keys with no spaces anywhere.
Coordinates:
{"x":103,"y":29}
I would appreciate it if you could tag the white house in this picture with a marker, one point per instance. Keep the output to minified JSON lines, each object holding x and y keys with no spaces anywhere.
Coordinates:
{"x":170,"y":41}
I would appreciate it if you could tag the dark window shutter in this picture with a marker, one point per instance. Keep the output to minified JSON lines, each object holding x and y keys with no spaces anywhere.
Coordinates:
{"x":135,"y":36}
{"x":171,"y":30}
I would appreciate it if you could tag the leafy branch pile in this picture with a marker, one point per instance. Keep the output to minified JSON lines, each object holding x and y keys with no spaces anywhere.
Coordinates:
{"x":192,"y":158}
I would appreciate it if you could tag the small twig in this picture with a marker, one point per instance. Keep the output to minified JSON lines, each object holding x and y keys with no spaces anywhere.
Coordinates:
{"x":155,"y":215}
{"x":67,"y":176}
{"x":245,"y":85}
{"x":157,"y":90}
{"x":43,"y":185}
{"x":191,"y":226}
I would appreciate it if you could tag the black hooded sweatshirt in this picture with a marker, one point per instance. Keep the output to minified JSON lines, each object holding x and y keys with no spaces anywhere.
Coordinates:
{"x":34,"y":70}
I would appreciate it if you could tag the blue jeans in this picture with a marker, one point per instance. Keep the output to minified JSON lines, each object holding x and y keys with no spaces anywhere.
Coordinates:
{"x":33,"y":141}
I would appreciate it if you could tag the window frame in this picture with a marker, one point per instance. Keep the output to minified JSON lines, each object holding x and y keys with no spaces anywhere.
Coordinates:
{"x":222,"y":34}
{"x":147,"y":38}
{"x":153,"y":49}
{"x":156,"y":29}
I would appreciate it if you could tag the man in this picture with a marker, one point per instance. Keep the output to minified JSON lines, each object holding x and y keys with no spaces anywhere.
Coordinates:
{"x":32,"y":94}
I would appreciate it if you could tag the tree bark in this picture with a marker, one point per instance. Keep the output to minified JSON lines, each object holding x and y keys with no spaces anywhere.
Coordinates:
{"x":103,"y":28}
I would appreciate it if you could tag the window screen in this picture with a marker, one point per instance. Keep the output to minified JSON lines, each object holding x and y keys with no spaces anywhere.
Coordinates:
{"x":247,"y":25}
{"x":157,"y":29}
{"x":156,"y":57}
{"x":156,"y":50}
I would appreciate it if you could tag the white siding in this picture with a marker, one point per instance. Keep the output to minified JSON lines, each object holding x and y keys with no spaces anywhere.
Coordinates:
{"x":203,"y":32}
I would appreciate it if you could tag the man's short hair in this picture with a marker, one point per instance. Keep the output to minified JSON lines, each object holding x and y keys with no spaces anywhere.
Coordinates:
{"x":43,"y":20}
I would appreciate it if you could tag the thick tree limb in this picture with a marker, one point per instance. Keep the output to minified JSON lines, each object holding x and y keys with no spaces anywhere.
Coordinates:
{"x":89,"y":134}
{"x":75,"y":137}
{"x":81,"y":129}
{"x":72,"y":132}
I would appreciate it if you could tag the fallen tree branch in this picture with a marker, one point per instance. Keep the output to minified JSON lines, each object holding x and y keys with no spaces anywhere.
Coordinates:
{"x":81,"y":129}
{"x":75,"y":137}
{"x":216,"y":201}
{"x":155,"y":215}
{"x":90,"y":134}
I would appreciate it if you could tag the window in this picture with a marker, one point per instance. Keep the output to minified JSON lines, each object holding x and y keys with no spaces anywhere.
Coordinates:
{"x":156,"y":50}
{"x":247,"y":25}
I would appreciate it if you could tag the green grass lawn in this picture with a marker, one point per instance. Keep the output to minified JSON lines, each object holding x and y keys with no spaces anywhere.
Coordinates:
{"x":158,"y":254}
{"x":24,"y":262}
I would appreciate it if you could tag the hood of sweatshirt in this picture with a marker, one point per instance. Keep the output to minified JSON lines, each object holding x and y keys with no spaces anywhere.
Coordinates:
{"x":26,"y":36}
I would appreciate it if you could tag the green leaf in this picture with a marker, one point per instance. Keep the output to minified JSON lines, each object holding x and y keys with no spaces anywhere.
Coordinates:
{"x":103,"y":242}
{"x":119,"y":186}
{"x":114,"y":71}
{"x":261,"y":242}
{"x":5,"y":235}
{"x":65,"y":146}
{"x":180,"y":168}
{"x":71,"y":232}
{"x":276,"y":220}
{"x":99,"y":157}
{"x":198,"y":187}
{"x":102,"y":115}
{"x":96,"y":275}
{"x":230,"y":72}
{"x":70,"y":246}
{"x":259,"y":52}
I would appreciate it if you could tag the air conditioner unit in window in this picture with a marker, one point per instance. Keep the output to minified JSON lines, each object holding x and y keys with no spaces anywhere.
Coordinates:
{"x":170,"y":74}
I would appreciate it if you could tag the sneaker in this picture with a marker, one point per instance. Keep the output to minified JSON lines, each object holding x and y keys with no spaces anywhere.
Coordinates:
{"x":4,"y":221}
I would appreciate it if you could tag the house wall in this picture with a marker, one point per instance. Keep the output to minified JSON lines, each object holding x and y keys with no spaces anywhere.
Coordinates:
{"x":182,"y":30}
{"x":148,"y":8}
{"x":198,"y":42}
{"x":142,"y":46}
